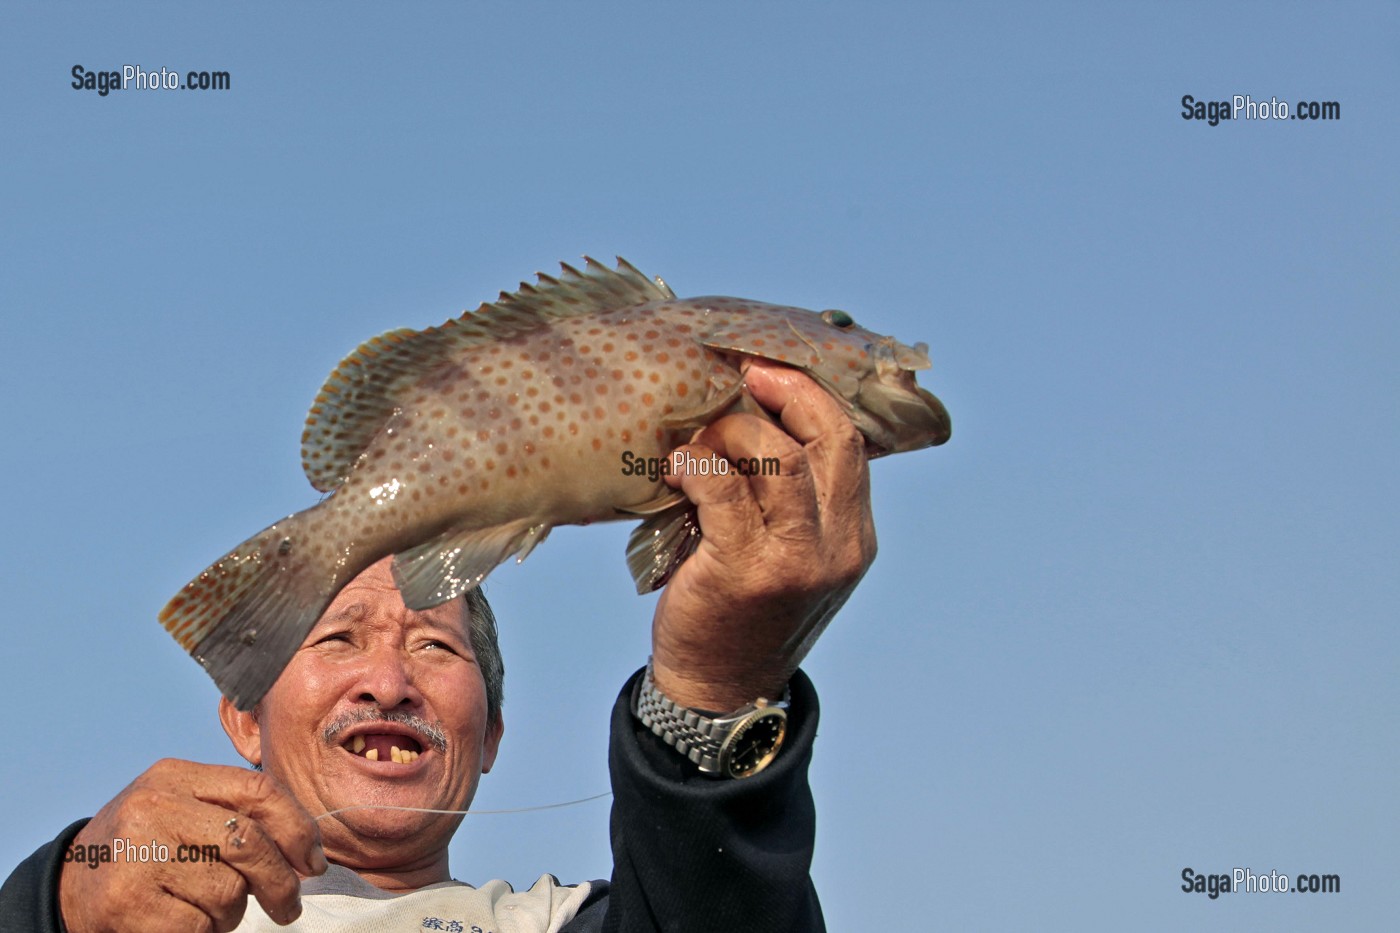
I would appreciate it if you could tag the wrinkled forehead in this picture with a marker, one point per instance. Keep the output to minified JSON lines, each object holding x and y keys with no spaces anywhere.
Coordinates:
{"x":374,"y":598}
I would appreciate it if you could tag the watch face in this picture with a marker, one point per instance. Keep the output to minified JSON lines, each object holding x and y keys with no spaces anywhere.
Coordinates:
{"x":753,"y":744}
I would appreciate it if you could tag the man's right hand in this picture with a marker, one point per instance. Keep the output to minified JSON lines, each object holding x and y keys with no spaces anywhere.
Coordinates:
{"x":265,"y":839}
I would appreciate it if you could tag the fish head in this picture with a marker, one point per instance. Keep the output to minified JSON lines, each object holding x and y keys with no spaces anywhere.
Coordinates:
{"x":869,"y":374}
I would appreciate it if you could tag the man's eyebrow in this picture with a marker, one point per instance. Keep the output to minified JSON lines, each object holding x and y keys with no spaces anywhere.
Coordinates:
{"x":351,"y":613}
{"x":456,"y":626}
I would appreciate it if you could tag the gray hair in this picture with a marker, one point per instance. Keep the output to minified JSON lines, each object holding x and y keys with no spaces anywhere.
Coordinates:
{"x":481,"y":629}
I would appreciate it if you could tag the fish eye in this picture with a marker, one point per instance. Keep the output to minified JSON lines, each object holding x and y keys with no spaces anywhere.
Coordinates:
{"x":839,"y":319}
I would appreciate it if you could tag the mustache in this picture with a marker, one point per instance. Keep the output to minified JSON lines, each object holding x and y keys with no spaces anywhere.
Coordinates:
{"x":431,"y":733}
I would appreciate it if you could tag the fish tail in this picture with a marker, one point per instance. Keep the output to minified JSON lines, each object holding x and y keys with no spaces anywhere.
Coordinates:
{"x":245,"y":616}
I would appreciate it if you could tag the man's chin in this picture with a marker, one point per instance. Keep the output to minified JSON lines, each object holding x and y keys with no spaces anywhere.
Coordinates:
{"x":382,"y":808}
{"x":389,"y":825}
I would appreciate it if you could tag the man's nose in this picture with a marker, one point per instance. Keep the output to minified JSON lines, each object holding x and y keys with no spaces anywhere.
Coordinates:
{"x":386,"y":679}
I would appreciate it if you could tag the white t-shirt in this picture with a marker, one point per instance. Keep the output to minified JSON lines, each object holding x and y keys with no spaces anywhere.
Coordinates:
{"x":340,"y":901}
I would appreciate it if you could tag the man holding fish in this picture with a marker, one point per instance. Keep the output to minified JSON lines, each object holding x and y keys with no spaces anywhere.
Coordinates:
{"x":387,"y":705}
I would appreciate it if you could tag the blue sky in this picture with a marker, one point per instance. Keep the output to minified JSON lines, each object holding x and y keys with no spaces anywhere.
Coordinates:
{"x":1139,"y":615}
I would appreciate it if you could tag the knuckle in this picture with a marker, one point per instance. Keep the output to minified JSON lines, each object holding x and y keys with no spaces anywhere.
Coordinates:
{"x":282,"y":887}
{"x":228,"y":888}
{"x":229,"y":919}
{"x":163,"y":770}
{"x":137,"y":808}
{"x":261,"y":785}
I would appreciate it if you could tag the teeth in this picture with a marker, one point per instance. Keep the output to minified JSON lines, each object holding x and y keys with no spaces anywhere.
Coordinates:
{"x":399,"y":756}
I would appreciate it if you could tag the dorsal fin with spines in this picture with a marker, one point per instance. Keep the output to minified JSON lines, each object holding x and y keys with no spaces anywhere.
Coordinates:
{"x":369,"y":385}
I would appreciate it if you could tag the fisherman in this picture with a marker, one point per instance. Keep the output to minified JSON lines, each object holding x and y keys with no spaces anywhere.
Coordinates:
{"x":722,"y":844}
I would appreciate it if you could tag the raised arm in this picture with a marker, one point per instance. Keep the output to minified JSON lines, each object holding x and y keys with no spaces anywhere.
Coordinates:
{"x":779,"y":557}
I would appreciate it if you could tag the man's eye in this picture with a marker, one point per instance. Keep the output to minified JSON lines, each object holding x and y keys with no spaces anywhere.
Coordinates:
{"x":333,"y":636}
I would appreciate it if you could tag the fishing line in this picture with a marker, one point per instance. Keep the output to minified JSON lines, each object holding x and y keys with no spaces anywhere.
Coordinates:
{"x":389,"y":806}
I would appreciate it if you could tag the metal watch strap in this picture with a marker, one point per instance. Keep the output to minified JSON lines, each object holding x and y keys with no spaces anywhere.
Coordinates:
{"x":696,"y":736}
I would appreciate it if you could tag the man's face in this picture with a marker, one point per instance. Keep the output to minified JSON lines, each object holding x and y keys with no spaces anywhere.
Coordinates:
{"x":319,"y":726}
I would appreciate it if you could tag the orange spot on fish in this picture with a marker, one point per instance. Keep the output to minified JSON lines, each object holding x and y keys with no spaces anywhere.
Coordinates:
{"x":597,"y":444}
{"x":682,"y":390}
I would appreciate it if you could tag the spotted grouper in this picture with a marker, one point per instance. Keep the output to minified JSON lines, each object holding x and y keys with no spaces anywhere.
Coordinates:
{"x":456,"y":447}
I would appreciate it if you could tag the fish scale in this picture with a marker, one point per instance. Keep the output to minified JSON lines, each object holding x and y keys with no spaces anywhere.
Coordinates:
{"x":456,"y":447}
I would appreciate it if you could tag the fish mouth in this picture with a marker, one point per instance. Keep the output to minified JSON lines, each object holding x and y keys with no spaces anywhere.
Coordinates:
{"x":896,"y":417}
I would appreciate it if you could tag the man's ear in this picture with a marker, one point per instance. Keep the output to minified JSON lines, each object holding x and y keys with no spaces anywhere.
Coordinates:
{"x":243,"y":730}
{"x":491,"y":743}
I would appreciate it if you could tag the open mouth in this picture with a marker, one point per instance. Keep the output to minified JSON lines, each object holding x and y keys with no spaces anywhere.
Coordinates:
{"x":380,"y":746}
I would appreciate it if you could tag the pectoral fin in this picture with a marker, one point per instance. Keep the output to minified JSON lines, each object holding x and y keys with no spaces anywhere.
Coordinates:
{"x":453,"y":563}
{"x":661,"y":544}
{"x":661,"y":503}
{"x":721,"y":398}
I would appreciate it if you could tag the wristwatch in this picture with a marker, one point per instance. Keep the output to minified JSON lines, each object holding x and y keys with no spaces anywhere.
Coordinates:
{"x":738,"y":745}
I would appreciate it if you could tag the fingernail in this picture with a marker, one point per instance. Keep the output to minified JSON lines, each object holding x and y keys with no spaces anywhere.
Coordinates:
{"x":320,"y":863}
